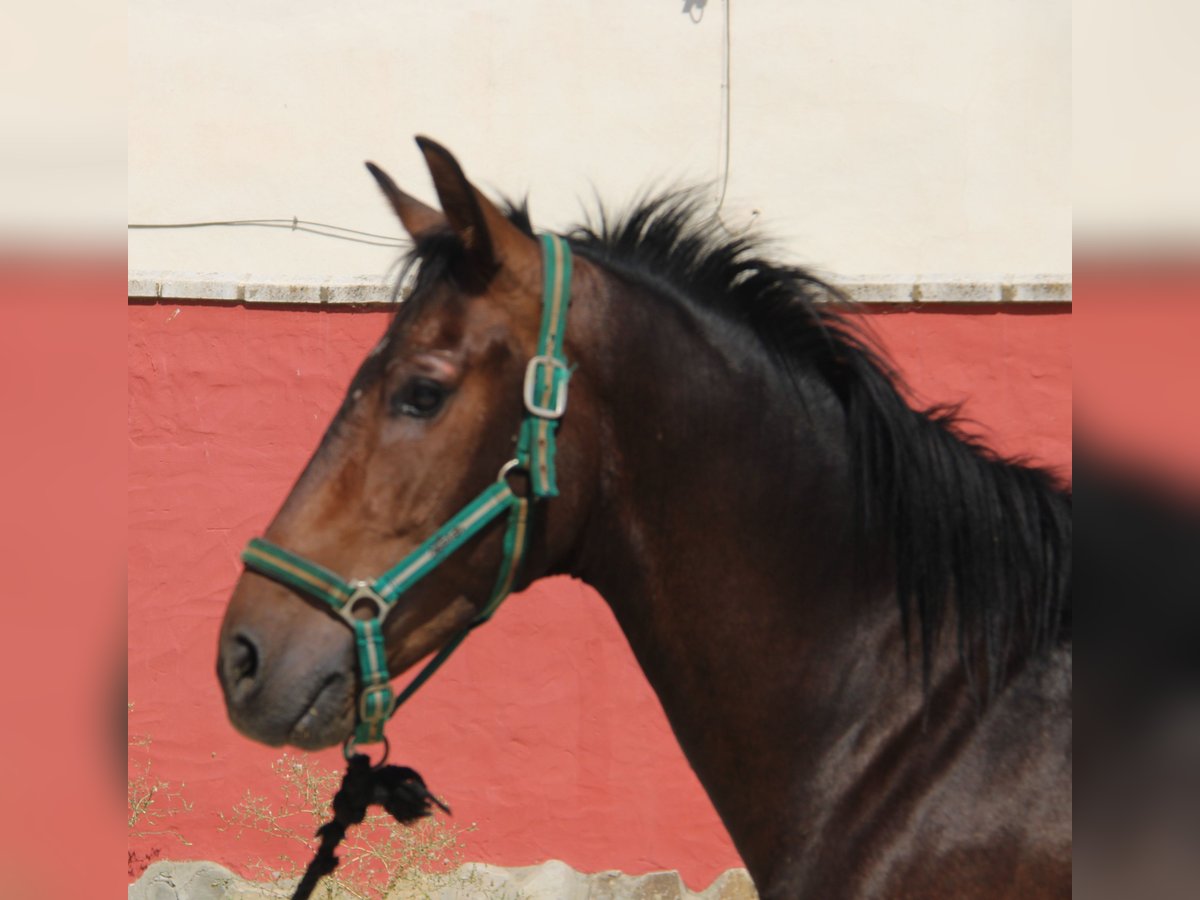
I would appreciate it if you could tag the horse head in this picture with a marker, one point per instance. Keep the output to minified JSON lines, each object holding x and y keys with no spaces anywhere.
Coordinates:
{"x":432,"y":418}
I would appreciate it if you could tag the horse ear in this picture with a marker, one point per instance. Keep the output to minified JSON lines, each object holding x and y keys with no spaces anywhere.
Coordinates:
{"x":490,"y":238}
{"x":415,"y":216}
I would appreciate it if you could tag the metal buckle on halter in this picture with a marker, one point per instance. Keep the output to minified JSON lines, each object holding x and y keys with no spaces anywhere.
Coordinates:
{"x":558,"y":403}
{"x":384,"y":706}
{"x":362,"y":590}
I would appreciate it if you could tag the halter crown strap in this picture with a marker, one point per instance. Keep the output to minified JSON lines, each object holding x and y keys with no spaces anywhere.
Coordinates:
{"x":546,"y":375}
{"x":365,"y":605}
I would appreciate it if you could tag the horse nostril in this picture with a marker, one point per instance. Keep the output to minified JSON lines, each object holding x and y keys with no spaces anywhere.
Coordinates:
{"x":240,"y":664}
{"x":245,"y":659}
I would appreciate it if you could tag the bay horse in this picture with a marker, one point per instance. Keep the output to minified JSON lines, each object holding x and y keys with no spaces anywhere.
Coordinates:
{"x":857,"y":619}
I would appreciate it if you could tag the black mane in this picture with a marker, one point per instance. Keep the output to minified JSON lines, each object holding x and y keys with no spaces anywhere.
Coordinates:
{"x":972,"y":534}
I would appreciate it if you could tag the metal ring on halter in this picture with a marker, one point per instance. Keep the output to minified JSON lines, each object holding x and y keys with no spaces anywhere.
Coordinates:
{"x":514,"y":465}
{"x":363,"y":590}
{"x":348,"y":750}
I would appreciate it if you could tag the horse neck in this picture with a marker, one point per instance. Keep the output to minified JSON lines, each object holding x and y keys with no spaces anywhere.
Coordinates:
{"x":721,"y":536}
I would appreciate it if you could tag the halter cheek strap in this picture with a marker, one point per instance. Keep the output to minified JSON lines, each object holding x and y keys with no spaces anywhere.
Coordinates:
{"x":364,"y":605}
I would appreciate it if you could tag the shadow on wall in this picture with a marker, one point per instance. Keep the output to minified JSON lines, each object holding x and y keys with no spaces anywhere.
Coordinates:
{"x":694,"y":9}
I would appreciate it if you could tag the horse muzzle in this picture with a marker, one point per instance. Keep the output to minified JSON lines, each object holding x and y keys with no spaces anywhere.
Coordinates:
{"x":293,"y":685}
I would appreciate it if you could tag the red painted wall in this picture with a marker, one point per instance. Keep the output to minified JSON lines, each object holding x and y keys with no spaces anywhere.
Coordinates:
{"x":541,"y":730}
{"x":62,"y":513}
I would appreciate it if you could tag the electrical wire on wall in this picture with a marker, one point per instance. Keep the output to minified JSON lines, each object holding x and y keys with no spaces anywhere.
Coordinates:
{"x":321,"y":229}
{"x":723,"y":139}
{"x":338,"y":232}
{"x":293,"y":224}
{"x":725,"y":130}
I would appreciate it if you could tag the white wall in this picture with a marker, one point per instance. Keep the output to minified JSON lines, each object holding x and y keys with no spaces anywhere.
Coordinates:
{"x":872,"y":136}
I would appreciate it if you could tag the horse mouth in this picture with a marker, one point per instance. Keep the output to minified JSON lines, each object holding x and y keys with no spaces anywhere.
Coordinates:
{"x":327,"y":718}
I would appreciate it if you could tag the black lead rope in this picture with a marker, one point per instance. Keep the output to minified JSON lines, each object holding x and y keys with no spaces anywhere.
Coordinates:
{"x":398,"y":789}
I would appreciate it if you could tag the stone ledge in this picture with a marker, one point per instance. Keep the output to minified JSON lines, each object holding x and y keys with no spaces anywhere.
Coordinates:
{"x":912,"y":290}
{"x":918,"y":289}
{"x":552,"y":880}
{"x":233,"y":289}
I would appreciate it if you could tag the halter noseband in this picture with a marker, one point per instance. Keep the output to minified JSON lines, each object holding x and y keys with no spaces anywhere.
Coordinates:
{"x":364,"y":605}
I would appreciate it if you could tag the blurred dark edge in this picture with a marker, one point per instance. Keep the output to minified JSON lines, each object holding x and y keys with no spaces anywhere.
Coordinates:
{"x":1137,"y":543}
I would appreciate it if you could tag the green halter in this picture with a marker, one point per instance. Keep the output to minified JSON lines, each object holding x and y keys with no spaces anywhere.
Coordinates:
{"x":364,"y":605}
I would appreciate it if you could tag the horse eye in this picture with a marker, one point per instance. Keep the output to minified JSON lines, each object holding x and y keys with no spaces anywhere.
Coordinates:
{"x":420,"y":398}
